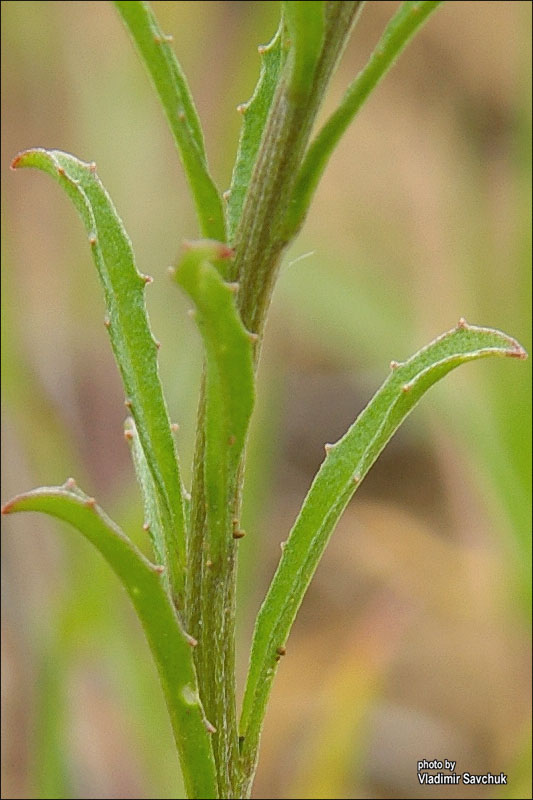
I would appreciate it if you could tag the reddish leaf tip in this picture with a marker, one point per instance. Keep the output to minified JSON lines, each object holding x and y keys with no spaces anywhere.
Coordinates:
{"x":18,"y":158}
{"x":518,"y":352}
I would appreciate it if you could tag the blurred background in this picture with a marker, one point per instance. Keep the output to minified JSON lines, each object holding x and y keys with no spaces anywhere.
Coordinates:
{"x":413,"y":641}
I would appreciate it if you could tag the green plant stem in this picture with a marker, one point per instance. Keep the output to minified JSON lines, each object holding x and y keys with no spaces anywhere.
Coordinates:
{"x":211,"y":589}
{"x":260,"y":237}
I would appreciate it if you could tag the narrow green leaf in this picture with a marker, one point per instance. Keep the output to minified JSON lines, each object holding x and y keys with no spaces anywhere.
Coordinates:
{"x":229,"y":372}
{"x":153,"y":522}
{"x":168,"y":78}
{"x":407,"y":20}
{"x":305,"y":27}
{"x":342,"y":471}
{"x":170,"y":646}
{"x":229,"y":398}
{"x":133,"y":344}
{"x":255,"y":113}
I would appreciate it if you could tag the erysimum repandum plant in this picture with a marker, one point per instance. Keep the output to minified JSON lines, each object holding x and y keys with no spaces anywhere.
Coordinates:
{"x":185,"y":597}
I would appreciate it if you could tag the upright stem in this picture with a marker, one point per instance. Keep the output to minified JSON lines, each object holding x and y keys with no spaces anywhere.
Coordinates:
{"x":260,"y":237}
{"x":259,"y":243}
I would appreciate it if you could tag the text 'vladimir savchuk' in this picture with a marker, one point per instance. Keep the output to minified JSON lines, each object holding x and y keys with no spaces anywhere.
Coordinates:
{"x":452,"y":777}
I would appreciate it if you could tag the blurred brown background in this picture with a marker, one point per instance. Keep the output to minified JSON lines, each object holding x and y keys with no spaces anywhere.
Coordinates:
{"x":413,"y":641}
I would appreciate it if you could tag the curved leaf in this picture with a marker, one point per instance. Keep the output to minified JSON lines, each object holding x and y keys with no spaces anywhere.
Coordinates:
{"x":255,"y":113}
{"x":342,"y":471}
{"x":176,"y":99}
{"x":170,"y":646}
{"x":133,"y":344}
{"x":409,"y":17}
{"x":230,"y":371}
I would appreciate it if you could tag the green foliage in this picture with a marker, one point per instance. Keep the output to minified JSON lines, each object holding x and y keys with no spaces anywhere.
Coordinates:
{"x":171,"y":648}
{"x":194,"y":539}
{"x":133,"y":344}
{"x":171,"y":85}
{"x":255,"y":114}
{"x":407,"y":20}
{"x":342,"y":471}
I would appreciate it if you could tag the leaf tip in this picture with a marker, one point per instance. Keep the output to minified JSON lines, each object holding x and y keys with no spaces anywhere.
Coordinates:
{"x":462,"y":324}
{"x":209,"y":727}
{"x":146,"y":526}
{"x":394,"y":365}
{"x":518,"y":352}
{"x":17,"y":161}
{"x":70,"y":483}
{"x":8,"y":507}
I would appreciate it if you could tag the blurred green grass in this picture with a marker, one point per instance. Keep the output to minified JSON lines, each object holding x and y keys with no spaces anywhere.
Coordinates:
{"x":423,"y":216}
